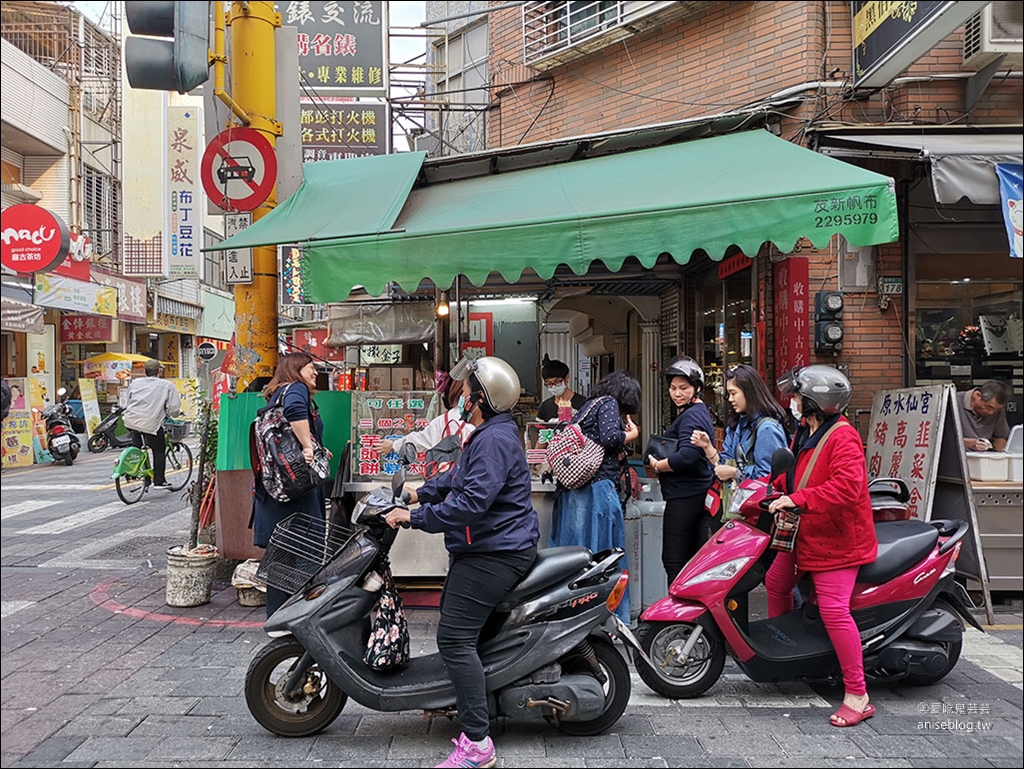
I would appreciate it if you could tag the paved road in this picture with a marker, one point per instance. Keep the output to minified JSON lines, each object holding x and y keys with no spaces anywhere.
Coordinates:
{"x":98,"y":672}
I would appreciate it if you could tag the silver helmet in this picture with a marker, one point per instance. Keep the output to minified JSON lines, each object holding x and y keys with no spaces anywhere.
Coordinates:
{"x":499,"y":380}
{"x":688,"y":368}
{"x":821,"y":386}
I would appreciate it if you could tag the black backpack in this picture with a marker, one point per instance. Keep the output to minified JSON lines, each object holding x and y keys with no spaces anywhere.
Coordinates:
{"x":278,"y":454}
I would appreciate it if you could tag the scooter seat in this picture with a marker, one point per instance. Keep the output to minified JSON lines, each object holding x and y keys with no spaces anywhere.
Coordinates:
{"x":901,"y":544}
{"x":553,"y":565}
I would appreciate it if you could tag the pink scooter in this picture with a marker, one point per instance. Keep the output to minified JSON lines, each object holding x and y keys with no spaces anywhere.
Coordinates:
{"x":908,"y":607}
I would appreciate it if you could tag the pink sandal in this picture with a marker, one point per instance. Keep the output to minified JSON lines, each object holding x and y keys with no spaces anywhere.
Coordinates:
{"x":850,"y":716}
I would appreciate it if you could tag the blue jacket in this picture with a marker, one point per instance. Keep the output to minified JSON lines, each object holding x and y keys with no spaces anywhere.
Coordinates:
{"x":482,"y":505}
{"x":770,"y":436}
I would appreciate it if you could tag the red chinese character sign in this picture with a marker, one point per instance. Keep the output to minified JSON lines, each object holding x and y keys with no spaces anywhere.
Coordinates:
{"x":239,"y":169}
{"x":34,"y":239}
{"x":390,"y":415}
{"x":480,"y":337}
{"x":792,"y":339}
{"x":915,"y":434}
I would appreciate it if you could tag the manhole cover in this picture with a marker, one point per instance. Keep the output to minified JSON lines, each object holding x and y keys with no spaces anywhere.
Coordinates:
{"x":138,"y":547}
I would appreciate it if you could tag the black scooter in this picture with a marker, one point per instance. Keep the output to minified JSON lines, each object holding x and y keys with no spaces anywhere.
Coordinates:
{"x":546,"y":650}
{"x":104,"y":435}
{"x":60,"y":435}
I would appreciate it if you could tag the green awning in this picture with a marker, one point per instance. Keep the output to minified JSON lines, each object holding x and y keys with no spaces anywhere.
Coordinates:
{"x":338,"y":199}
{"x":739,"y":189}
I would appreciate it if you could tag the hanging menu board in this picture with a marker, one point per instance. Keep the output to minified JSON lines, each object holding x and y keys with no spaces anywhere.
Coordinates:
{"x":390,"y":415}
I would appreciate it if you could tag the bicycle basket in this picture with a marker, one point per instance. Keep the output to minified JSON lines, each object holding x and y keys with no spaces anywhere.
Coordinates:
{"x":177,"y":431}
{"x":299,"y":547}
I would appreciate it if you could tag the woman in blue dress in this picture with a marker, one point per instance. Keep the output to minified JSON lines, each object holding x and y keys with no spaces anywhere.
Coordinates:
{"x":592,"y":516}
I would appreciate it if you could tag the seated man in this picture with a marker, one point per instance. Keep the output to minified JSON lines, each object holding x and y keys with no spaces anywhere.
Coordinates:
{"x":983,"y":416}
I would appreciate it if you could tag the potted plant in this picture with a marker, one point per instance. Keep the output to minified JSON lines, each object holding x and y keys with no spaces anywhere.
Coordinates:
{"x":190,"y":567}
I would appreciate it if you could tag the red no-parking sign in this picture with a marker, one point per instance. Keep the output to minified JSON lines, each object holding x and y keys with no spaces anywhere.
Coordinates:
{"x":239,"y":169}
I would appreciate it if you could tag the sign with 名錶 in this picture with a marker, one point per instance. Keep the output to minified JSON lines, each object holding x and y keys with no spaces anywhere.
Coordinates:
{"x":341,"y":45}
{"x":391,"y":415}
{"x":340,"y":129}
{"x":185,"y":216}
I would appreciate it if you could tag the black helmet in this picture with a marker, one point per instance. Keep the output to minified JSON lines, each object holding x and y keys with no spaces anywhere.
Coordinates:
{"x":686,"y":367}
{"x":823,"y":387}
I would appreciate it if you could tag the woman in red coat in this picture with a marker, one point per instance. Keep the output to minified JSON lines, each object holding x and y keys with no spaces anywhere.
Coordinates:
{"x":836,"y":535}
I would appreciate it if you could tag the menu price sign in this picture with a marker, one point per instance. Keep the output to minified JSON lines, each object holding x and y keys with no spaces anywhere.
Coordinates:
{"x":389,"y":415}
{"x":915,"y":434}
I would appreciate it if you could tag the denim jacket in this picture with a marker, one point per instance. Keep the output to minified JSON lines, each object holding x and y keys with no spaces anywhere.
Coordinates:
{"x":770,"y":436}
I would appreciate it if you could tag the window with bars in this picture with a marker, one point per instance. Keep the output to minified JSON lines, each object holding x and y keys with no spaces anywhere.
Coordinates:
{"x":99,"y":208}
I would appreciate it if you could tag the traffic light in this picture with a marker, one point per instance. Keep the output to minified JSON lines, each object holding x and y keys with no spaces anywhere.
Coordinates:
{"x":180,"y":62}
{"x":828,"y":326}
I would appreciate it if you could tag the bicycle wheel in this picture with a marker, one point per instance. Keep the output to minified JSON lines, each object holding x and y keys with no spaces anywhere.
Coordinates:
{"x":179,"y":465}
{"x":130,"y":488}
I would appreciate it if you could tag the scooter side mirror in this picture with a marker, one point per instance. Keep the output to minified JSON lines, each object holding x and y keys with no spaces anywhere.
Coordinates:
{"x":398,"y":482}
{"x":782,"y":461}
{"x":407,"y":454}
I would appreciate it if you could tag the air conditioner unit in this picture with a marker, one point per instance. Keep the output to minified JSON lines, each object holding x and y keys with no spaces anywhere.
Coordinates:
{"x":427,"y":143}
{"x":996,"y":30}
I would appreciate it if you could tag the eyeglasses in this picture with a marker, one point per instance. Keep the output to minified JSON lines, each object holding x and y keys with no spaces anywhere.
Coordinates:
{"x":553,"y":382}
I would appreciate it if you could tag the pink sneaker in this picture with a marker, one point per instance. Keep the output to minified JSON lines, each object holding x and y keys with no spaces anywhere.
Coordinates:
{"x":467,"y":754}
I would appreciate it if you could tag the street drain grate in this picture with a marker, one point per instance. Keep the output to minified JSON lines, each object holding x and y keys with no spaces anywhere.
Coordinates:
{"x":138,"y":547}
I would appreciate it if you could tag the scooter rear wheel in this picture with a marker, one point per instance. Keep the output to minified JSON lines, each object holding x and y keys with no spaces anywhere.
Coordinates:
{"x":312,"y":712}
{"x":98,"y":444}
{"x":616,"y":688}
{"x":662,"y":641}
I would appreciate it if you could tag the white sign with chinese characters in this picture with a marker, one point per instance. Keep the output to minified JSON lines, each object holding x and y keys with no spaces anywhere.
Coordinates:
{"x":237,"y":261}
{"x":184,"y":218}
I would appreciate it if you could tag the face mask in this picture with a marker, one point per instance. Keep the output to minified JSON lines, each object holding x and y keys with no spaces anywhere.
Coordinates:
{"x":794,"y":409}
{"x":462,"y":403}
{"x":557,"y":389}
{"x":467,"y":408}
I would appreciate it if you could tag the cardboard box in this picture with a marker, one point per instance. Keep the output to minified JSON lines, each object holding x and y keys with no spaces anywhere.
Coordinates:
{"x":379,"y":379}
{"x":402,"y":379}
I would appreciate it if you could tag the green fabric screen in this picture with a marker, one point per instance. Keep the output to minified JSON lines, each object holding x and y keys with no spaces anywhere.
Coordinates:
{"x":238,"y":411}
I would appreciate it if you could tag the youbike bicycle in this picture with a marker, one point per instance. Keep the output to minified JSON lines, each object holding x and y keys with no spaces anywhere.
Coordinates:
{"x":133,"y":471}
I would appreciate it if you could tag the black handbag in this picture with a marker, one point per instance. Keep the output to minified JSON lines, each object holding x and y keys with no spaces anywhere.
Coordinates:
{"x":660,"y":447}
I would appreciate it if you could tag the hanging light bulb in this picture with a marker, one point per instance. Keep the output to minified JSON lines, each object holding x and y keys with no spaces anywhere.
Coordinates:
{"x":442,"y":309}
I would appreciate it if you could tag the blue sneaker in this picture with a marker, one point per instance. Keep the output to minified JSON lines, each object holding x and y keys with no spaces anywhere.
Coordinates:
{"x":467,"y":754}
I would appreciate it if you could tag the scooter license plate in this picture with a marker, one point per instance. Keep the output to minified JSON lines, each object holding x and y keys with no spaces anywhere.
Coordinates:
{"x":61,"y":440}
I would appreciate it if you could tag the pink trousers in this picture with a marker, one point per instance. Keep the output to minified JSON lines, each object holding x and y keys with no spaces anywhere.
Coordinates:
{"x":833,"y":590}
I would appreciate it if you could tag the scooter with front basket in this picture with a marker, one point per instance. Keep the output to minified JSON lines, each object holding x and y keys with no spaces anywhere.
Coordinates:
{"x":909,"y":609}
{"x":546,"y":650}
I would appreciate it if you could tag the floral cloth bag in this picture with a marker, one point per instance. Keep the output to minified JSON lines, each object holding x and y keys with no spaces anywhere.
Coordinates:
{"x":388,"y":645}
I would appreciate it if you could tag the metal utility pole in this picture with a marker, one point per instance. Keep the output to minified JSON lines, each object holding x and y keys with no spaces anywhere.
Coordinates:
{"x":253,"y":88}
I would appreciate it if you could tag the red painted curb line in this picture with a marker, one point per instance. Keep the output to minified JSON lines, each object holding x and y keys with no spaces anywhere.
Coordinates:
{"x":100,"y":596}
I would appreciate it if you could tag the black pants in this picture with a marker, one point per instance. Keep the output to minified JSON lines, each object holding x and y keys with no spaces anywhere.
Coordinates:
{"x":475,"y":585}
{"x":684,"y":532}
{"x":159,"y":448}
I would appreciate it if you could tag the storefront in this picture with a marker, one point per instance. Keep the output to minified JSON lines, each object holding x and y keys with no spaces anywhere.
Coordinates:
{"x":600,"y":209}
{"x":170,"y":336}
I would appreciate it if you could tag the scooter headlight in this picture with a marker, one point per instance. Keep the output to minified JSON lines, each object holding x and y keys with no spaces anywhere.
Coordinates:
{"x":723,"y":571}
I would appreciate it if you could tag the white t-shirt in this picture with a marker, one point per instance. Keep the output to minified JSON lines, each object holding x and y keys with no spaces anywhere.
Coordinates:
{"x":441,"y":426}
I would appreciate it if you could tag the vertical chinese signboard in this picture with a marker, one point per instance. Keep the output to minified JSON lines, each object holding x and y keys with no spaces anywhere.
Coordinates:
{"x":792,"y":345}
{"x":480,"y":338}
{"x":237,"y":261}
{"x":183,"y":198}
{"x":915,"y":435}
{"x":341,"y":45}
{"x":339,"y":129}
{"x":391,"y":415}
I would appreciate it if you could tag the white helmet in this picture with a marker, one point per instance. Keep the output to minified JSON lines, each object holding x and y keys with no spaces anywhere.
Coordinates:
{"x":499,"y":380}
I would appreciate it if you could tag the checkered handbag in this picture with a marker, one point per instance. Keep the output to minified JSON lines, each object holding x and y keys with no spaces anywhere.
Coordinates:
{"x":573,"y":457}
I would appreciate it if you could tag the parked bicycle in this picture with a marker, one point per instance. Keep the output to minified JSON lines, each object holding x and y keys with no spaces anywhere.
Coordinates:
{"x":133,"y":471}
